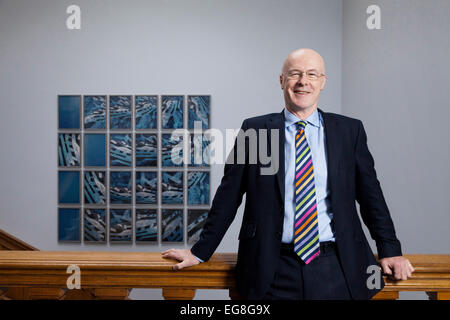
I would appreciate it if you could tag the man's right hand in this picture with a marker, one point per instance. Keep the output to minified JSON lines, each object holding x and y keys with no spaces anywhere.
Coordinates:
{"x":184,"y":255}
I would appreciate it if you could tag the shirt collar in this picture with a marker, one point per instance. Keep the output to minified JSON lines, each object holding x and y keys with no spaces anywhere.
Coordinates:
{"x":314,"y":119}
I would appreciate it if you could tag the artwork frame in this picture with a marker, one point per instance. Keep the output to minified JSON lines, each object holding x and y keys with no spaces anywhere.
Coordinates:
{"x":95,"y":111}
{"x":69,"y":112}
{"x":120,"y":225}
{"x":145,"y":147}
{"x":196,"y":219}
{"x":69,"y":236}
{"x":200,"y":102}
{"x":95,"y":187}
{"x":120,"y":187}
{"x":172,"y":225}
{"x":69,"y":187}
{"x":199,"y":188}
{"x":144,"y":182}
{"x":120,"y":112}
{"x":194,"y":153}
{"x":91,"y":222}
{"x":69,"y":153}
{"x":146,"y":111}
{"x":121,"y":149}
{"x":94,"y":145}
{"x":170,"y":142}
{"x":172,"y":193}
{"x":172,"y":111}
{"x":144,"y":231}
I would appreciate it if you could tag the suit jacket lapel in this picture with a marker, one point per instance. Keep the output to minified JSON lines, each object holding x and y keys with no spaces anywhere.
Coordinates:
{"x":277,"y":122}
{"x":333,"y":148}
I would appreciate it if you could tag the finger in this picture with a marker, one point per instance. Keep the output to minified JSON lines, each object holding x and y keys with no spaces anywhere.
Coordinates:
{"x":180,"y":265}
{"x":404,"y":273}
{"x":409,"y":273}
{"x":386,"y":268}
{"x":398,"y":273}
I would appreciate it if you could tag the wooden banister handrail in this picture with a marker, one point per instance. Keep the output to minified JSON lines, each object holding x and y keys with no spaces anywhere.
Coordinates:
{"x":9,"y":242}
{"x":124,"y":270}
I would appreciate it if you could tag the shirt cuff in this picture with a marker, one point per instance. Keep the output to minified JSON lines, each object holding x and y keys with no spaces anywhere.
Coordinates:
{"x":198,"y":258}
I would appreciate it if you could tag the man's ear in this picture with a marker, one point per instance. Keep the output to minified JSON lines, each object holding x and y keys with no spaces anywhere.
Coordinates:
{"x":323,"y":82}
{"x":281,"y":81}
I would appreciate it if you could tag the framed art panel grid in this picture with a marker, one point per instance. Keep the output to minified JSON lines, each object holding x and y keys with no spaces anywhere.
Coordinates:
{"x":75,"y":162}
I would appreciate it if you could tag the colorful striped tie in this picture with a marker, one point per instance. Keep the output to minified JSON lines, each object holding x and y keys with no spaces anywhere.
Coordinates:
{"x":306,"y":226}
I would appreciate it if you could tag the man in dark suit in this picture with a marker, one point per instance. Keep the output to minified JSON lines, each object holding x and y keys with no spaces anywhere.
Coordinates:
{"x":301,"y":237}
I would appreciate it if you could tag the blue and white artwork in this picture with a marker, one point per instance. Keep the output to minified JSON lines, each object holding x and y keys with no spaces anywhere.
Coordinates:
{"x":146,"y":112}
{"x":94,"y":112}
{"x":172,"y":225}
{"x":146,"y":150}
{"x":94,"y":149}
{"x":120,"y":227}
{"x":198,"y":187}
{"x":120,"y":150}
{"x":172,"y":112}
{"x":146,"y":187}
{"x":146,"y":225}
{"x":172,"y":150}
{"x":172,"y":187}
{"x":69,"y":187}
{"x":94,"y":187}
{"x":198,"y":110}
{"x":95,"y":225}
{"x":195,"y":221}
{"x":120,"y":187}
{"x":69,"y":112}
{"x":120,"y":112}
{"x":200,"y":150}
{"x":69,"y":150}
{"x":69,"y":225}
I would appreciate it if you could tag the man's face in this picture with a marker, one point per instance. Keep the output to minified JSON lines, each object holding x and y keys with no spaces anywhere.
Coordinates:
{"x":301,"y":91}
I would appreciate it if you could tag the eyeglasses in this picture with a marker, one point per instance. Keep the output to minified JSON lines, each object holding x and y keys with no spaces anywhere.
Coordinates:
{"x":310,"y":75}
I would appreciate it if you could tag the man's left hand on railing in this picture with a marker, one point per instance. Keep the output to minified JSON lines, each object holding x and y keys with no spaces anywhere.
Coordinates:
{"x":184,"y":255}
{"x":399,"y":268}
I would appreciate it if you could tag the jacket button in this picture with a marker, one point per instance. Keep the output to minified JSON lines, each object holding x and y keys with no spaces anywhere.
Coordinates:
{"x":279,"y":234}
{"x":282,"y":209}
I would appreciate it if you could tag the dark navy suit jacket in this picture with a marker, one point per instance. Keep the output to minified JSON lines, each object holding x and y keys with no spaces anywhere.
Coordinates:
{"x":352,"y":177}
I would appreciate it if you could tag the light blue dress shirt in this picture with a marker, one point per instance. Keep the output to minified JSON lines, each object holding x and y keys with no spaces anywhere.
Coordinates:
{"x":315,"y":136}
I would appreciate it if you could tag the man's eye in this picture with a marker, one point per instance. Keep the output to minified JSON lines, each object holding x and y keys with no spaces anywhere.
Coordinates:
{"x":313,"y":75}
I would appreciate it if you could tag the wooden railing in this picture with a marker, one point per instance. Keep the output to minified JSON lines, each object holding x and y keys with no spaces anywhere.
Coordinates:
{"x":111,"y":275}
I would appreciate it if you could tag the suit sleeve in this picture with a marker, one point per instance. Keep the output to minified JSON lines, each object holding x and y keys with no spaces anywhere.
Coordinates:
{"x":373,"y":207}
{"x":226,"y":201}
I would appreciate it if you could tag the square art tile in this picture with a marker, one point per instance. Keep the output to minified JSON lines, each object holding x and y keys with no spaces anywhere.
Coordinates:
{"x":146,"y":225}
{"x":172,"y":225}
{"x":69,"y":229}
{"x":69,"y":112}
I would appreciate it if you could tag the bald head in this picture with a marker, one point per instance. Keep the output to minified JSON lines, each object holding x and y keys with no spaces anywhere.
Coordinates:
{"x":307,"y":56}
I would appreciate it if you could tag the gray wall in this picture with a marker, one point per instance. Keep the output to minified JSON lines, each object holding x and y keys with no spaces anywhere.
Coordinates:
{"x":232,"y":50}
{"x":397,"y":81}
{"x":393,"y":79}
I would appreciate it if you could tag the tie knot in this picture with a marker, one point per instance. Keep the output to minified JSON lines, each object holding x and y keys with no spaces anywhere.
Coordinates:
{"x":301,"y":125}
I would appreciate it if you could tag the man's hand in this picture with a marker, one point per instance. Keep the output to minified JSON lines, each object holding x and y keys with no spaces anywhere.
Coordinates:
{"x":398,"y":267}
{"x":184,"y":255}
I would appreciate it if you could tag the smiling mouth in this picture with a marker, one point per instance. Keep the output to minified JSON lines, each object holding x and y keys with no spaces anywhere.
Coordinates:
{"x":301,"y":92}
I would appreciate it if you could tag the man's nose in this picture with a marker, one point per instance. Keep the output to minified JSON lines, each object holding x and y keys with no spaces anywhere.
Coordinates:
{"x":302,"y":80}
